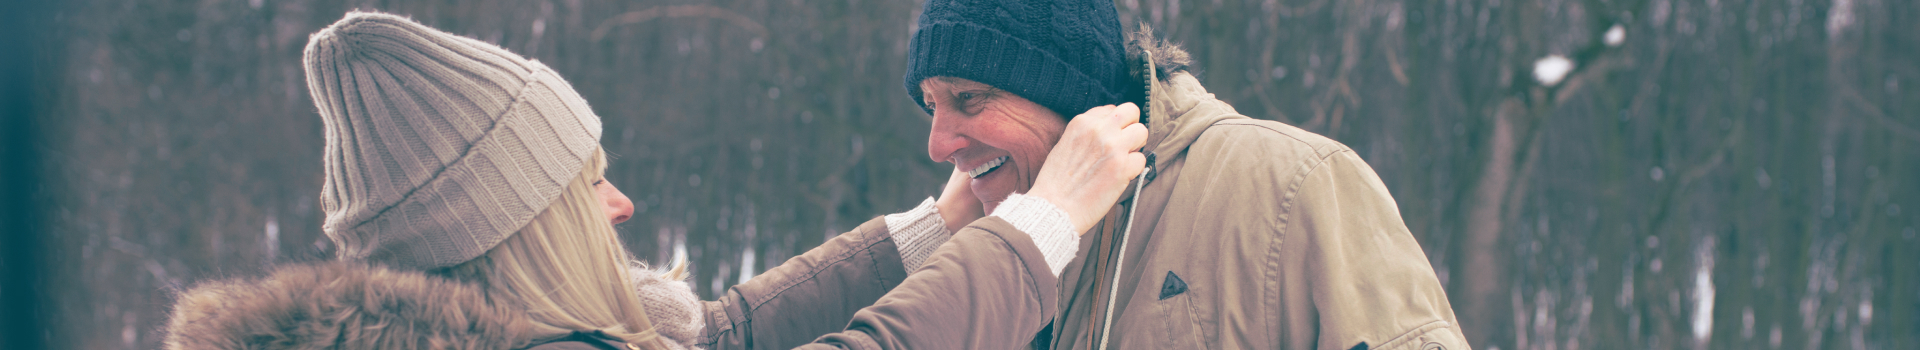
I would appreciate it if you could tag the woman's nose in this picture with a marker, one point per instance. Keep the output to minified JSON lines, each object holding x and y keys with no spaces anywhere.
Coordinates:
{"x":618,"y":207}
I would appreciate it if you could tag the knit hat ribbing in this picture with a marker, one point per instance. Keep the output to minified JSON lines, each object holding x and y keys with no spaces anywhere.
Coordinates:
{"x":438,"y":146}
{"x":1066,"y":55}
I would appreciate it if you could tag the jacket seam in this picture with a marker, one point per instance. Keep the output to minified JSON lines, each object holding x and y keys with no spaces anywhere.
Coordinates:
{"x":1032,"y":284}
{"x":713,"y":337}
{"x":1271,"y":285}
{"x":1193,"y":314}
{"x":1416,"y":331}
{"x":1273,"y":259}
{"x":874,"y":264}
{"x":1319,"y":148}
{"x":1274,"y":250}
{"x":864,"y":247}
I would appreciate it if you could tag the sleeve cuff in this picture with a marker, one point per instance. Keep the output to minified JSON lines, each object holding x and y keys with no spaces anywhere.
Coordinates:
{"x":917,"y":233}
{"x":1049,"y":227}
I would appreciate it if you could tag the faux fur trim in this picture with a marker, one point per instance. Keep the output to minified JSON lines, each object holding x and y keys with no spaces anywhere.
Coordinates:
{"x":1168,"y":59}
{"x":1167,"y":56}
{"x":342,"y":305}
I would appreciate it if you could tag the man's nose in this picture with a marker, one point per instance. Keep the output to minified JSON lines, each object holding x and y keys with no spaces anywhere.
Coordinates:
{"x":945,"y":138}
{"x":618,"y":207}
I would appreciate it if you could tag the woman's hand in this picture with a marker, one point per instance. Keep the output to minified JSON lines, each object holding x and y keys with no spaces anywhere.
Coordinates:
{"x":957,"y":205}
{"x":1088,"y":170}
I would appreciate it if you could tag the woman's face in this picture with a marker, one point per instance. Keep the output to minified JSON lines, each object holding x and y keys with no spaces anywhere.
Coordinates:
{"x":619,"y":209}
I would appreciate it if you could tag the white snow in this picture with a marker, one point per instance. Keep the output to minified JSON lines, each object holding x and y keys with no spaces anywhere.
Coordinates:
{"x":1615,"y":36}
{"x":1839,"y":17}
{"x":273,"y":237}
{"x":1703,"y":294}
{"x":746,"y":265}
{"x":1551,"y":69}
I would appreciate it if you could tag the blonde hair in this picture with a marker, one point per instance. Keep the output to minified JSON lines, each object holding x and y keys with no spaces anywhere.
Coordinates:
{"x":567,"y":269}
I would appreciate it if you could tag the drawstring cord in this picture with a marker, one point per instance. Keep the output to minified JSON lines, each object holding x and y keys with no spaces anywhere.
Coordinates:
{"x":1139,"y":182}
{"x":1113,"y":292}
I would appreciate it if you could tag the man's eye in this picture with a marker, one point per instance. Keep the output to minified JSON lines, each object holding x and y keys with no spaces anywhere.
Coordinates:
{"x":964,"y":96}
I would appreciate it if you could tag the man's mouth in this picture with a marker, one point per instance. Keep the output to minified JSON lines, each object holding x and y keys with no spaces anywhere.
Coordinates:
{"x":988,"y":167}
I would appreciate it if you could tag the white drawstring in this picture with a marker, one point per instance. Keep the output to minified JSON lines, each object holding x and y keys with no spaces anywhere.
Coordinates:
{"x":1114,"y":291}
{"x":1139,"y":182}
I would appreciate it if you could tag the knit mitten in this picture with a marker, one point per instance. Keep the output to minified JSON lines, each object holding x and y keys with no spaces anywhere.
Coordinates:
{"x":671,"y":306}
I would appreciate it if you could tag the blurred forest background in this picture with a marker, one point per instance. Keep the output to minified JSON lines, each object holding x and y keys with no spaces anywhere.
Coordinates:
{"x":1708,"y":174}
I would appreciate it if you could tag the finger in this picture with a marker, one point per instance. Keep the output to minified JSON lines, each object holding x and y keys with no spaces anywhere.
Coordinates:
{"x":1117,"y":117}
{"x":959,"y":175}
{"x":1128,"y":112}
{"x":957,"y":184}
{"x":1133,"y":163}
{"x":1096,"y":112}
{"x":1134,"y":136}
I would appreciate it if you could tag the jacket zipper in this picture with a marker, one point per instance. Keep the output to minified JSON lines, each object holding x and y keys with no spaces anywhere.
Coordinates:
{"x":1139,"y":182}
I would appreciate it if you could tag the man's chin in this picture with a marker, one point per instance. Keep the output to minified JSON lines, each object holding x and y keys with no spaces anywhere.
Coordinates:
{"x":990,"y":193}
{"x":994,"y":187}
{"x":990,"y":203}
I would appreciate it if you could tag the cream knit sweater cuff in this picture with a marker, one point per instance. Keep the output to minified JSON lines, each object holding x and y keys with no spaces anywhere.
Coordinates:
{"x":917,"y":233}
{"x":920,"y":231}
{"x":1049,"y":227}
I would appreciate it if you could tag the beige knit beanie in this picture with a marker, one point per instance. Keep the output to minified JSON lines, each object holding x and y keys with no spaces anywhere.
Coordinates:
{"x":438,"y":146}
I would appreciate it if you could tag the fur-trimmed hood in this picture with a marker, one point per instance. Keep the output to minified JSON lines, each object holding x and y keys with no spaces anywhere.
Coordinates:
{"x":1168,"y":94}
{"x":342,"y":305}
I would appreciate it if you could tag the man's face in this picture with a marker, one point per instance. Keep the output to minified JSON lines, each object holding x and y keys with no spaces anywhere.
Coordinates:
{"x":1000,"y":138}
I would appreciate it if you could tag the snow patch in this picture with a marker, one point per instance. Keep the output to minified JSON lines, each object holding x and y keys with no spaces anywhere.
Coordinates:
{"x":1615,"y":36}
{"x":1552,"y":69}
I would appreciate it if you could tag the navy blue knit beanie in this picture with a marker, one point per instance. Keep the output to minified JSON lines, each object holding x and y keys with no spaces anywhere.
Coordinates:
{"x":1067,"y":55}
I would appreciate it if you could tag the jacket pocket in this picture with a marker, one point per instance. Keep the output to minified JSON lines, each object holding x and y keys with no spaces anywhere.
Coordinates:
{"x":1180,"y":316}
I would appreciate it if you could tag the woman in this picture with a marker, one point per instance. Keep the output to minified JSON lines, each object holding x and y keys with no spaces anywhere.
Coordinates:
{"x":464,"y":189}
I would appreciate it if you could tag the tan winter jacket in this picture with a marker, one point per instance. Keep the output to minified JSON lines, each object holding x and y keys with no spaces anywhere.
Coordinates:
{"x":1250,"y":234}
{"x":986,"y":282}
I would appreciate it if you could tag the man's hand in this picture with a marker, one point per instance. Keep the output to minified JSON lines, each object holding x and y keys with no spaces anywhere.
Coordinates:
{"x":1088,"y":170}
{"x":958,"y":207}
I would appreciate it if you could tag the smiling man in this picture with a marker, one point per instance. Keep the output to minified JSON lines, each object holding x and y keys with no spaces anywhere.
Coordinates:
{"x":1012,"y":134}
{"x":1242,"y":233}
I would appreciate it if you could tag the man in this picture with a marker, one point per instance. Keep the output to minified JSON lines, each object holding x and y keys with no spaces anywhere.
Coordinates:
{"x":1242,"y":233}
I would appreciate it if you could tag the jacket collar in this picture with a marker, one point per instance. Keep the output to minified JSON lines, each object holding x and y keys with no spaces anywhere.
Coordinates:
{"x":1180,"y":111}
{"x":343,"y":305}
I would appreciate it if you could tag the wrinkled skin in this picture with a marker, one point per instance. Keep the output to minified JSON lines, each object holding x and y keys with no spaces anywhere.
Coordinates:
{"x":1092,"y":157}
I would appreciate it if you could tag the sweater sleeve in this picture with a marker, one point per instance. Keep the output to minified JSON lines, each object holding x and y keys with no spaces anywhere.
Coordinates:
{"x":1047,"y":224}
{"x":917,"y":233}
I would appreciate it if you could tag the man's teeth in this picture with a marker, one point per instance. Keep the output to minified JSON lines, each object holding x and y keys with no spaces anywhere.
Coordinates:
{"x":983,"y":169}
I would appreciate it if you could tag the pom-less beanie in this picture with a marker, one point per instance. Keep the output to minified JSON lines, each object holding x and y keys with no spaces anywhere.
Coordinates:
{"x":1066,"y":55}
{"x":438,"y":146}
